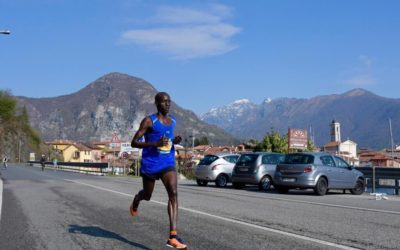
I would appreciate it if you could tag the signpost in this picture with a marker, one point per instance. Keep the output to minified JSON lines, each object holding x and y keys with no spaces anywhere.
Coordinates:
{"x":297,"y":138}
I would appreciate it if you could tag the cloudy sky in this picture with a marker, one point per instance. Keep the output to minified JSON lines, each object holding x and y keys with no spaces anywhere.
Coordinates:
{"x":204,"y":53}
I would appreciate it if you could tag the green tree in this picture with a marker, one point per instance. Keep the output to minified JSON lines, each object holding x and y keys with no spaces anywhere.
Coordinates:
{"x":7,"y":106}
{"x":273,"y":142}
{"x":202,"y":141}
{"x":310,"y":146}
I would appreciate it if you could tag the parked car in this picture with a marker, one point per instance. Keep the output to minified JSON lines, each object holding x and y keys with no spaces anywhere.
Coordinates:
{"x":319,"y":171}
{"x":257,"y":169}
{"x":216,"y":168}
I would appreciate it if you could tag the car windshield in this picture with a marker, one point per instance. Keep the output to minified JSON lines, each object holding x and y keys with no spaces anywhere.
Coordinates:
{"x":208,"y":159}
{"x":247,"y":158}
{"x":299,"y":159}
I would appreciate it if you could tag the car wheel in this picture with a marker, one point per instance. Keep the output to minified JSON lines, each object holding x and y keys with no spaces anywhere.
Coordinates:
{"x":359,"y":188}
{"x":322,"y":187}
{"x":281,"y":190}
{"x":202,"y":183}
{"x":265,"y":183}
{"x":221,"y":180}
{"x":238,"y":185}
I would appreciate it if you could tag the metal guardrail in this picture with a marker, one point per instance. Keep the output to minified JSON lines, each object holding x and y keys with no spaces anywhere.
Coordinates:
{"x":86,"y":167}
{"x":375,"y":174}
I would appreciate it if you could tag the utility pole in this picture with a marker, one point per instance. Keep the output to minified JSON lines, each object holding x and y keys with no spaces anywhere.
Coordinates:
{"x":19,"y":150}
{"x":391,"y":135}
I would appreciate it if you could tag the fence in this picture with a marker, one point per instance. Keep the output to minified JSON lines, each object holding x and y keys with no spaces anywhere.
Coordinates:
{"x":382,"y":177}
{"x":102,"y":168}
{"x":81,"y":167}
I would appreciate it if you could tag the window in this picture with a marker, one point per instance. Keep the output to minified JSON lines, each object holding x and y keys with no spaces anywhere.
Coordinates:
{"x":76,"y":155}
{"x":208,"y":159}
{"x":341,"y":163}
{"x":271,"y":159}
{"x":248,"y":158}
{"x":299,"y":159}
{"x":231,"y":158}
{"x":327,"y":161}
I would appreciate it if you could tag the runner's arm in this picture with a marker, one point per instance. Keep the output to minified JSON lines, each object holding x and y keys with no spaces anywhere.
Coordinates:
{"x":144,"y":126}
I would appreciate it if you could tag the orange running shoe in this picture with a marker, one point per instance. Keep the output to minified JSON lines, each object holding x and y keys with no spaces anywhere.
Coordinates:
{"x":134,"y":211}
{"x":176,"y":242}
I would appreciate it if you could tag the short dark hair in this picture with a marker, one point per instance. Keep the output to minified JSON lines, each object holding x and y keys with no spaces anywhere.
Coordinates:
{"x":159,"y":95}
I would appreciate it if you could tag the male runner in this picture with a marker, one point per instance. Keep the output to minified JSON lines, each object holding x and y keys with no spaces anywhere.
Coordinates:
{"x":158,"y":162}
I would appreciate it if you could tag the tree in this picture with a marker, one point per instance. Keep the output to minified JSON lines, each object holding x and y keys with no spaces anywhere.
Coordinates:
{"x":202,"y":141}
{"x":310,"y":146}
{"x":7,"y":106}
{"x":273,"y":142}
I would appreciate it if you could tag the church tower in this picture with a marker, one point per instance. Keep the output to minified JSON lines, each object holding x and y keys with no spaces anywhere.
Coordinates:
{"x":335,"y":131}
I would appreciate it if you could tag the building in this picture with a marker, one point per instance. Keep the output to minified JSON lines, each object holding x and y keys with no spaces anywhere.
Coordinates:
{"x":347,"y":149}
{"x":335,"y":131}
{"x":377,"y":159}
{"x":77,"y":153}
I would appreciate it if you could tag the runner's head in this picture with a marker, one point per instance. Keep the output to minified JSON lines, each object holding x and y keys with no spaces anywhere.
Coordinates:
{"x":163,"y":102}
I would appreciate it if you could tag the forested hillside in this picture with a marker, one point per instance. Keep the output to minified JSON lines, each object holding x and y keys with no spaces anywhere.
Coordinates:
{"x":17,"y":138}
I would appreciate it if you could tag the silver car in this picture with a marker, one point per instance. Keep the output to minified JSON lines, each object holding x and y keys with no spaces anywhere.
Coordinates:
{"x":216,"y":168}
{"x":256,"y":168}
{"x":319,"y":171}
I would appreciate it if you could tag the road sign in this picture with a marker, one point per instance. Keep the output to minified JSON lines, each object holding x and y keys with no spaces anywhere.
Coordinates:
{"x":297,"y":138}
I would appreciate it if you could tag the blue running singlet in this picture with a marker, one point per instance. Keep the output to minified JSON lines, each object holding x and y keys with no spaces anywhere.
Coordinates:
{"x":157,"y":159}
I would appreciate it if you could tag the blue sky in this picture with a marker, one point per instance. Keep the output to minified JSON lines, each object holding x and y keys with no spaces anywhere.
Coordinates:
{"x":204,"y":53}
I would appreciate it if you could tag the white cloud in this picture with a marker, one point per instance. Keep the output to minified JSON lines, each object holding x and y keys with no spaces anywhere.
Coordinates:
{"x":184,"y":33}
{"x":365,"y":60}
{"x":362,"y":75}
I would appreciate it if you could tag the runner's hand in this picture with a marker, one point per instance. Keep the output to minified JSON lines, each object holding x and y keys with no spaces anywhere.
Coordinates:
{"x":177,"y":139}
{"x":162,"y":142}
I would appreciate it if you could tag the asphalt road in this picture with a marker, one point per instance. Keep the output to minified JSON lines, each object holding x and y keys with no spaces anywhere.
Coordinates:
{"x":62,"y":210}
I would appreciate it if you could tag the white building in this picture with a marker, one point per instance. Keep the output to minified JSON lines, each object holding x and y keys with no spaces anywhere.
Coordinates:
{"x":347,"y":149}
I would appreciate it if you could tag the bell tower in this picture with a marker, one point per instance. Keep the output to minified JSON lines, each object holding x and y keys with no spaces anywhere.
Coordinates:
{"x":335,"y":131}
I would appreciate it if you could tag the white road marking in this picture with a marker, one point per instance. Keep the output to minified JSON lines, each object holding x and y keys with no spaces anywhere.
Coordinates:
{"x":322,"y":242}
{"x":268,"y":196}
{"x":307,"y":202}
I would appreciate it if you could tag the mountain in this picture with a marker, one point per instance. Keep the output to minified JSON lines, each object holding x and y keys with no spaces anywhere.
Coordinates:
{"x":114,"y":103}
{"x":363,"y":116}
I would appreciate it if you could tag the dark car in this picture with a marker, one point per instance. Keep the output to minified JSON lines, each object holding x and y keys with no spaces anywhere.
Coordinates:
{"x":256,"y":169}
{"x":319,"y":171}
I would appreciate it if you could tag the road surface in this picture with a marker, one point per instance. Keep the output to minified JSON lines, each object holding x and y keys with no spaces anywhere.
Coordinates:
{"x":63,"y":210}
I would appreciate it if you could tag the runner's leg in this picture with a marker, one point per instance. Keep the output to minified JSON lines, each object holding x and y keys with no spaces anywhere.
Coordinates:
{"x":145,"y":193}
{"x":170,"y":182}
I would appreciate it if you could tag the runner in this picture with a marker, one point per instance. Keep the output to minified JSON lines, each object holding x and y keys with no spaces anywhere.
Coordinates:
{"x":42,"y":161}
{"x":158,"y":162}
{"x":5,"y":160}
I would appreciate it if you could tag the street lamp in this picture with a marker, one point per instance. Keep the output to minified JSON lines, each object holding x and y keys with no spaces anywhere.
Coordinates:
{"x":5,"y":32}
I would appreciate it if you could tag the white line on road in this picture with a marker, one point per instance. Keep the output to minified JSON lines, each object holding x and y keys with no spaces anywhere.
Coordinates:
{"x":306,"y":202}
{"x":322,"y":242}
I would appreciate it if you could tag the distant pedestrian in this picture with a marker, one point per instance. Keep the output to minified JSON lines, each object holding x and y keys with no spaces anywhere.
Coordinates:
{"x":55,"y":163}
{"x":5,"y":160}
{"x":42,"y":161}
{"x":158,"y":162}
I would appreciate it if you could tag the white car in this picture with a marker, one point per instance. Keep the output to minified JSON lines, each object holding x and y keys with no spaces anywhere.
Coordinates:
{"x":216,"y":168}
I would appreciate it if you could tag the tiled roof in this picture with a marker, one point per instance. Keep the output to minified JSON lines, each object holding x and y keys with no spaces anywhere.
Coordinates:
{"x":80,"y":147}
{"x":60,"y":142}
{"x":332,"y":144}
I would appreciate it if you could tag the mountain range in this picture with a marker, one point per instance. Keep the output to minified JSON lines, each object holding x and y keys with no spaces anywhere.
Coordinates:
{"x":363,"y":116}
{"x":113,"y":104}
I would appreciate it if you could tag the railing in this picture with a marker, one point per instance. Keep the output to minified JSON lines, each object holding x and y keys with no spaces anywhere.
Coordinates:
{"x":81,"y":167}
{"x":382,"y":177}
